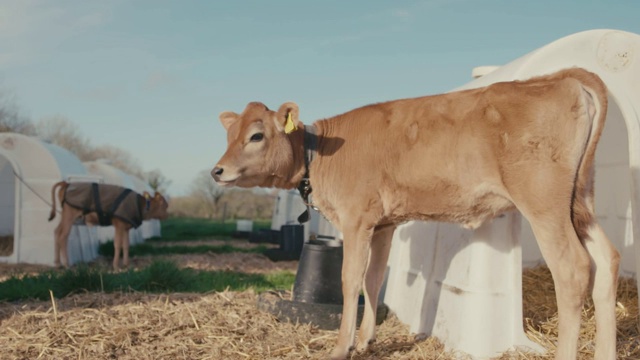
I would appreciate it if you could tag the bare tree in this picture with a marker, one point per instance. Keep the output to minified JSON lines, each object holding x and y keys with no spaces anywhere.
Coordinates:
{"x":117,"y":157}
{"x":10,"y":118}
{"x":204,"y":188}
{"x":157,"y":180}
{"x":240,"y":204}
{"x":61,"y":131}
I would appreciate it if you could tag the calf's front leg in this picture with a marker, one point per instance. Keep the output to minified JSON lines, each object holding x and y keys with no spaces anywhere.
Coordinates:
{"x":120,"y":242}
{"x":356,"y":248}
{"x":125,"y":249}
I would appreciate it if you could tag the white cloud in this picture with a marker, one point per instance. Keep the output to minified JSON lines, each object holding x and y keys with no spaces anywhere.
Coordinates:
{"x":402,"y":14}
{"x":29,"y":29}
{"x":96,"y":93}
{"x":159,"y":79}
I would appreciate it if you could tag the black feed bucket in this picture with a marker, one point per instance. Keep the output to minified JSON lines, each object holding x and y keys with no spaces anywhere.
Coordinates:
{"x":292,"y":239}
{"x":319,"y":272}
{"x":317,"y":293}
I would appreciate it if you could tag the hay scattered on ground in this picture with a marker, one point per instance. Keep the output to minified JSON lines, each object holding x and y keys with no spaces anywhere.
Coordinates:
{"x":227,"y":325}
{"x":223,"y":325}
{"x":241,"y":262}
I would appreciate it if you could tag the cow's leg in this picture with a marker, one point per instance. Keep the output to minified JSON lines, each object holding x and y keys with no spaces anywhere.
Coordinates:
{"x":122,"y":234}
{"x":63,"y":244}
{"x":117,"y":245}
{"x":357,"y":243}
{"x":605,"y":260}
{"x":570,"y":267}
{"x":121,"y":242}
{"x":378,"y":256}
{"x":68,"y":216}
{"x":125,"y":248}
{"x":57,"y":244}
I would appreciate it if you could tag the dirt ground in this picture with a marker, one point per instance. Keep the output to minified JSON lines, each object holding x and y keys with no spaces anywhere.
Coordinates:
{"x":228,"y":325}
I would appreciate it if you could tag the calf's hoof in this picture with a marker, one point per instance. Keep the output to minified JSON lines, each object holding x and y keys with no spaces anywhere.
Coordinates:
{"x":339,"y":354}
{"x":363,"y":346}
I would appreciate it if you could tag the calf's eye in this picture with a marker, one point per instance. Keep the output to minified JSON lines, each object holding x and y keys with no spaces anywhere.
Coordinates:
{"x":257,"y":137}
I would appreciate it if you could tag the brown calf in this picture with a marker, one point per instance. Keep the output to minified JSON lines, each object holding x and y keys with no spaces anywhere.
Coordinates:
{"x":80,"y":199}
{"x":462,"y":157}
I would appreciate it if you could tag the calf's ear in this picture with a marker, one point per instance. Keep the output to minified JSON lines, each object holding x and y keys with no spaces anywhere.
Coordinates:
{"x":227,"y":118}
{"x":287,"y":118}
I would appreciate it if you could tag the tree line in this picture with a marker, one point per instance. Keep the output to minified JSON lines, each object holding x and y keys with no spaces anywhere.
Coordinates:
{"x":63,"y":132}
{"x":204,"y":199}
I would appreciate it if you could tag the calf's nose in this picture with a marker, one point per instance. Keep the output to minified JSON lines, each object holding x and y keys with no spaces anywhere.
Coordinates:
{"x":216,"y":172}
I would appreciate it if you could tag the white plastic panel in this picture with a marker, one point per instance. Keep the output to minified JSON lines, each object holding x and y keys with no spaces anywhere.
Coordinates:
{"x":461,"y":286}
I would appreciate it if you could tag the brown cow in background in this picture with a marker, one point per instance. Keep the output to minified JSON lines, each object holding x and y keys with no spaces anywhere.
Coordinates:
{"x":462,"y":157}
{"x":103,"y":205}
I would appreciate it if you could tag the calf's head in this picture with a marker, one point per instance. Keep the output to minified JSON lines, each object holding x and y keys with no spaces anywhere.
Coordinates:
{"x":259,"y":149}
{"x":156,"y":206}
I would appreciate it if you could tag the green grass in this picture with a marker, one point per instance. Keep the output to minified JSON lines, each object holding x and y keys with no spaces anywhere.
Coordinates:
{"x":106,"y":249}
{"x":178,"y":228}
{"x":161,"y":276}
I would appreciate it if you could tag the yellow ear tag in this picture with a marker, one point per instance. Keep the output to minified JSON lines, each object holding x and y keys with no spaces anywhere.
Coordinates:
{"x":289,"y":126}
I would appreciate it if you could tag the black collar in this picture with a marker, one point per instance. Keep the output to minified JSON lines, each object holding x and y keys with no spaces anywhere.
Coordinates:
{"x":310,"y":145}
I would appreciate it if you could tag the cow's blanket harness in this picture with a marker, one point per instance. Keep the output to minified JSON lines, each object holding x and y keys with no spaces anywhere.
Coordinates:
{"x":107,"y":201}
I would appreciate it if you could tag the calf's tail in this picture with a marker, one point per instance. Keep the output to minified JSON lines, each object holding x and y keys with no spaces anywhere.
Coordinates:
{"x":595,"y":94}
{"x":63,"y":185}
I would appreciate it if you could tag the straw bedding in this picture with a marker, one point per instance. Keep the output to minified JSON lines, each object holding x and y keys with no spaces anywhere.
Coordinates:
{"x":240,"y":262}
{"x":227,"y":325}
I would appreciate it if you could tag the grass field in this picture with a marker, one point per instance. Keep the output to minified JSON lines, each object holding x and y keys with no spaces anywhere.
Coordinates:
{"x":161,"y":275}
{"x":106,"y":249}
{"x":186,"y":229}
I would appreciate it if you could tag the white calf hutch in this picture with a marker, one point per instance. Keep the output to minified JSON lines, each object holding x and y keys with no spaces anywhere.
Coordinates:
{"x":289,"y":206}
{"x":465,"y":287}
{"x":29,"y":168}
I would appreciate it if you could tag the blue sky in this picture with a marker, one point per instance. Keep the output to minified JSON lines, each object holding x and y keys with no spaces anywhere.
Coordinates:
{"x":151,"y":76}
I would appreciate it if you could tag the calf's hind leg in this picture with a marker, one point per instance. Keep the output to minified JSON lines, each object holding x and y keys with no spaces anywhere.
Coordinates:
{"x":605,"y":260}
{"x":570,"y":267}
